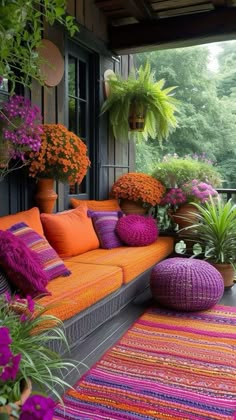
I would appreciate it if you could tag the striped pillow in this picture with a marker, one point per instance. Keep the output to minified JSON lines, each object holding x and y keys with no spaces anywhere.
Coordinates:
{"x":104,"y":224}
{"x":4,"y":284}
{"x":50,"y":261}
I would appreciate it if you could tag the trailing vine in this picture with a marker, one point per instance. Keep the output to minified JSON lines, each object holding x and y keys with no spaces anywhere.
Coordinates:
{"x":21,"y":29}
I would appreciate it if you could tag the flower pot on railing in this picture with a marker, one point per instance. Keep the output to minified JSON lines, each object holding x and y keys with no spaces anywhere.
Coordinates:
{"x":185,"y":216}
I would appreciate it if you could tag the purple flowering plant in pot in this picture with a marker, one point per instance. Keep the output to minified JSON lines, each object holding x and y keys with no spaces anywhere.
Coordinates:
{"x":26,"y":328}
{"x":179,"y":201}
{"x":20,"y":133}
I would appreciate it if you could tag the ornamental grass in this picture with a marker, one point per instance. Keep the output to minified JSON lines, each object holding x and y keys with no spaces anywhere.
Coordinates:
{"x":62,"y":156}
{"x":138,"y":186}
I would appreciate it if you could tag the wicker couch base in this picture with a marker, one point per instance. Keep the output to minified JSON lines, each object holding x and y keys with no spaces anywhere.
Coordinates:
{"x":84,"y":323}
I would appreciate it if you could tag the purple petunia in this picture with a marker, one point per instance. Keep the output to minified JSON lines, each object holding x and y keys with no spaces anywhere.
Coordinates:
{"x":37,"y":407}
{"x":193,"y":191}
{"x":22,"y":126}
{"x":10,"y":371}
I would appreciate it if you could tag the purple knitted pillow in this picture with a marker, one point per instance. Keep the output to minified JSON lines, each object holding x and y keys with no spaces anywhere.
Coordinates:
{"x":104,"y":223}
{"x":50,"y":261}
{"x":22,"y":265}
{"x":137,"y":230}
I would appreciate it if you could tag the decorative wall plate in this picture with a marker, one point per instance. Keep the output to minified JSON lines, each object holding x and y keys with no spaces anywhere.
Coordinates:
{"x":52,"y":63}
{"x":107,"y":75}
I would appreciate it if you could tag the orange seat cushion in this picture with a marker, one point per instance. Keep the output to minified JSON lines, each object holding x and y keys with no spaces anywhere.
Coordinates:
{"x":86,"y":285}
{"x":132,"y":260}
{"x":70,"y":233}
{"x":29,"y":217}
{"x":97,"y":205}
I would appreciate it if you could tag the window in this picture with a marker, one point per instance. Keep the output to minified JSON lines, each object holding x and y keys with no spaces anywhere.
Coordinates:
{"x":79,"y":115}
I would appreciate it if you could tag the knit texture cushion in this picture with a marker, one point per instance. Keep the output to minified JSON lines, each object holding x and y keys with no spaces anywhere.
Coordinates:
{"x":22,"y":265}
{"x":186,"y":284}
{"x":4,"y":283}
{"x":50,"y":262}
{"x":135,"y":230}
{"x":104,"y":224}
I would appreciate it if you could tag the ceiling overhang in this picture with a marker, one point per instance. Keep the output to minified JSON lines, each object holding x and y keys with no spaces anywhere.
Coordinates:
{"x":141,"y":25}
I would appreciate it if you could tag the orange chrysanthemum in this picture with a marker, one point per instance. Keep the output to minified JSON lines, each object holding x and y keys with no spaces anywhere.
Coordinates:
{"x":138,"y":186}
{"x":62,"y":156}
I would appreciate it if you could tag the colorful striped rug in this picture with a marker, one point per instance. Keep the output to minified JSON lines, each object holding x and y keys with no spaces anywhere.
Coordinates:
{"x":168,"y":365}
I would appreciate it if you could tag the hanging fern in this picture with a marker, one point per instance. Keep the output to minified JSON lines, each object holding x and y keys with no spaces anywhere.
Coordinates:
{"x":159,"y":104}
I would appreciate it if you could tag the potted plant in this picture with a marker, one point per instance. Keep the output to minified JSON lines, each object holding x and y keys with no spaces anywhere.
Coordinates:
{"x":216,"y":234}
{"x":137,"y":192}
{"x":180,"y":201}
{"x":174,"y":171}
{"x":143,"y":99}
{"x":25,"y":358}
{"x":62,"y":157}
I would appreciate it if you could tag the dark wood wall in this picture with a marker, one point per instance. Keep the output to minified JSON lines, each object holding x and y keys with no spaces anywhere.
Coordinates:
{"x":109,"y":157}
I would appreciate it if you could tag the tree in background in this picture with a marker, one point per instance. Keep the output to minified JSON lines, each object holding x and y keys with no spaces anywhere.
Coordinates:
{"x":207,"y":118}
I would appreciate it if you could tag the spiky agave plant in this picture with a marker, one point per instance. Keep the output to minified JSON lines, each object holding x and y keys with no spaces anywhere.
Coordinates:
{"x":146,"y":95}
{"x":216,"y":230}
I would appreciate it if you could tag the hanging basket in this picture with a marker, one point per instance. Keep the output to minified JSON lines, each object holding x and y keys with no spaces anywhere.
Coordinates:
{"x":136,"y":118}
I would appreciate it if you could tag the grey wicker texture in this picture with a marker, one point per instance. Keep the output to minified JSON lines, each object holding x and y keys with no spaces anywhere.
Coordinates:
{"x":186,"y":284}
{"x":81,"y":325}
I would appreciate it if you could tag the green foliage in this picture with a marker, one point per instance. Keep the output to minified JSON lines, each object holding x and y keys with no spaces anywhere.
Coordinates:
{"x":30,"y":337}
{"x":21,"y":29}
{"x":148,"y":95}
{"x":216,"y":230}
{"x":174,"y":172}
{"x":207,"y":116}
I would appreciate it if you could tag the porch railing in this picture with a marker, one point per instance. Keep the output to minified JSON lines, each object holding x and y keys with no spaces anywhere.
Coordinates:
{"x":227,"y":193}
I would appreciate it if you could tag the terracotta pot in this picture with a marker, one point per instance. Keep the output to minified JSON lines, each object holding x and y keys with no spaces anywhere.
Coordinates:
{"x":25,"y":393}
{"x":183,"y":213}
{"x":45,"y":197}
{"x":227,"y":272}
{"x":133,"y":207}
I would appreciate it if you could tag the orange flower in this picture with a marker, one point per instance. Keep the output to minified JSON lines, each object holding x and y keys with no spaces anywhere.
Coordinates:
{"x":138,"y":186}
{"x":62,"y":156}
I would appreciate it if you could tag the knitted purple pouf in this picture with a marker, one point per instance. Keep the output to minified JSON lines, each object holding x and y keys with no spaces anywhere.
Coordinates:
{"x":186,"y":284}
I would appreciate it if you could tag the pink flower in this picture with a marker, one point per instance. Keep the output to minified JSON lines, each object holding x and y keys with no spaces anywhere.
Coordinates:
{"x":10,"y":371}
{"x":37,"y":407}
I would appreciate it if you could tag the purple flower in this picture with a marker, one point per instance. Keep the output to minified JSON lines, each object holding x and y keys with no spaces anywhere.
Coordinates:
{"x":37,"y":407}
{"x":10,"y":371}
{"x":22,"y":126}
{"x":31,"y":303}
{"x":5,"y":355}
{"x":191,"y":191}
{"x":5,"y":336}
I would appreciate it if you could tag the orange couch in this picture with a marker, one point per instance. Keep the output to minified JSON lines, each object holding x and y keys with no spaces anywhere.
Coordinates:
{"x":103,"y":281}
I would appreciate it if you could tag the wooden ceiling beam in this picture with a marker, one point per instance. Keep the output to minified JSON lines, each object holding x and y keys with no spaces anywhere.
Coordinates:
{"x":185,"y":30}
{"x":139,"y":9}
{"x":175,"y":4}
{"x":219,"y":2}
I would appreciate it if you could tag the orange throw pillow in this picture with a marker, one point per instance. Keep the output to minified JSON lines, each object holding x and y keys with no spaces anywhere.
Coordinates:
{"x":29,"y":217}
{"x":70,"y":233}
{"x":97,"y":205}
